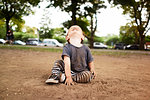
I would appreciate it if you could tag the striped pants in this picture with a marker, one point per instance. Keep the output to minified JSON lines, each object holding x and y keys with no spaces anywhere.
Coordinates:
{"x":82,"y":77}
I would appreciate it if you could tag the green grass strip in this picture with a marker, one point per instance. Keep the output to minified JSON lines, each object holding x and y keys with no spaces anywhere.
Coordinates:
{"x":30,"y":48}
{"x":59,"y":50}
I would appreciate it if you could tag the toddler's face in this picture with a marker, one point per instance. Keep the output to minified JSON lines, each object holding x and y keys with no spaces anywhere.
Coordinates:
{"x":75,"y":31}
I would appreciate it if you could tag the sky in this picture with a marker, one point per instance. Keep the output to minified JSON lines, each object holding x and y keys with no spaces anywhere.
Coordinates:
{"x":109,"y":20}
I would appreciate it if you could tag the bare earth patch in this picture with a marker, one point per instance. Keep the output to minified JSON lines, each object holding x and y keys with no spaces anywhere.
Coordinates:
{"x":23,"y":74}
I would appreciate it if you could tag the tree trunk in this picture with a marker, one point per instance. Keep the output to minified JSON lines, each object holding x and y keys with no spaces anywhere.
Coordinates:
{"x":142,"y":41}
{"x":92,"y":33}
{"x":74,"y":5}
{"x":91,"y":41}
{"x":7,"y":25}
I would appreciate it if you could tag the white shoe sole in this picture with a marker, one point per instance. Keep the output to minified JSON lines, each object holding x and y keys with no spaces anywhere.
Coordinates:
{"x":51,"y":81}
{"x":62,"y":77}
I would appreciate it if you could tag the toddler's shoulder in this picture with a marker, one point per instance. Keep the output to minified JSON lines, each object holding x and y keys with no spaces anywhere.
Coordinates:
{"x":66,"y":45}
{"x":86,"y":47}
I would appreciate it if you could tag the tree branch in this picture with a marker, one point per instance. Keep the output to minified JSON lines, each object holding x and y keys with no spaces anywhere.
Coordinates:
{"x":136,"y":17}
{"x":95,"y":24}
{"x":147,"y":21}
{"x":147,"y":31}
{"x":86,"y":36}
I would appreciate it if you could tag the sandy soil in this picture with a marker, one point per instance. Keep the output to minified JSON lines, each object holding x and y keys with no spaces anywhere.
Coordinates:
{"x":23,"y":73}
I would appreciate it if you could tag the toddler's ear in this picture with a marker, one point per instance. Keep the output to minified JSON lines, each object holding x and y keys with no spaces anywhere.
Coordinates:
{"x":82,"y":36}
{"x":67,"y":37}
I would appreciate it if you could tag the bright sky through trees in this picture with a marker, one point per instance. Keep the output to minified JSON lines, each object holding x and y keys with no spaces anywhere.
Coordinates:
{"x":109,"y":20}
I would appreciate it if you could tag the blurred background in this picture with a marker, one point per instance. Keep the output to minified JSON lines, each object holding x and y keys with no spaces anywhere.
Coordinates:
{"x":107,"y":24}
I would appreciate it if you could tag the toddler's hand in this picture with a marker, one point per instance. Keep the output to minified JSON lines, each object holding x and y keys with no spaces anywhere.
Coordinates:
{"x":93,"y":73}
{"x":69,"y":81}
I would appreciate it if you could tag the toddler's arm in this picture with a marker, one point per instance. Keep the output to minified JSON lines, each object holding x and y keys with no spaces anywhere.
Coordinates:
{"x":91,"y":65}
{"x":69,"y":80}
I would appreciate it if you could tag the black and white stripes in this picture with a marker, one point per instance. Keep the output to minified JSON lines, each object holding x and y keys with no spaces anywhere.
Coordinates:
{"x":82,"y":77}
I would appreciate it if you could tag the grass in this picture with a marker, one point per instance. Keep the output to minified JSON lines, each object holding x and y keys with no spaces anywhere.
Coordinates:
{"x":110,"y":53}
{"x":30,"y":48}
{"x":59,"y":50}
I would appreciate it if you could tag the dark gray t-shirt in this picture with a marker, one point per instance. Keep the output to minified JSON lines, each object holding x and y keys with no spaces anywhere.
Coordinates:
{"x":79,"y":57}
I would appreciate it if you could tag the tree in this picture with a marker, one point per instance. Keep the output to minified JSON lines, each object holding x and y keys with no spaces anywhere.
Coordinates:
{"x":2,"y":29}
{"x":147,"y":38}
{"x":30,"y":30}
{"x":23,"y":36}
{"x":59,"y":32}
{"x":91,"y":11}
{"x":82,"y":22}
{"x":15,"y":9}
{"x":111,"y":40}
{"x":129,"y":34}
{"x":70,"y":6}
{"x":17,"y":24}
{"x":139,"y":11}
{"x":80,"y":9}
{"x":46,"y":32}
{"x":98,"y":39}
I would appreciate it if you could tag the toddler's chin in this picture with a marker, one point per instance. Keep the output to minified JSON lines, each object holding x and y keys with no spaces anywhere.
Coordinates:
{"x":76,"y":36}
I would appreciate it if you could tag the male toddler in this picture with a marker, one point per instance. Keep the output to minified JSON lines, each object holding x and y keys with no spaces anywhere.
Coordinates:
{"x":77,"y":64}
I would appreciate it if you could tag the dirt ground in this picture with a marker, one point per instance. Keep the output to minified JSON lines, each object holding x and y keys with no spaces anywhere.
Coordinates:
{"x":23,"y":74}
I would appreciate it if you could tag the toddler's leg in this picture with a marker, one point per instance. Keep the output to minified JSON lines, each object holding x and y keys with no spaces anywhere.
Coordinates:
{"x":83,"y":77}
{"x":57,"y":71}
{"x":58,"y":67}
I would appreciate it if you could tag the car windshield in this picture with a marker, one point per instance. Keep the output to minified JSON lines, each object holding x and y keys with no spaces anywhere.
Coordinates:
{"x":97,"y":43}
{"x":45,"y":41}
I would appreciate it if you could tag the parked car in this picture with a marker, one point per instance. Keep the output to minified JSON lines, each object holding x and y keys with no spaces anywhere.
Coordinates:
{"x":133,"y":47}
{"x":33,"y":41}
{"x":2,"y":41}
{"x":120,"y":46}
{"x":51,"y":42}
{"x":19,"y":42}
{"x":100,"y":45}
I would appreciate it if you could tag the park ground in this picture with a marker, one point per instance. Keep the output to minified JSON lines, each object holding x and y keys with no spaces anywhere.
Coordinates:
{"x":122,"y":77}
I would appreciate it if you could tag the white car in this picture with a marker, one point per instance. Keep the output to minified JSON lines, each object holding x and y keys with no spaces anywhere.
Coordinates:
{"x":100,"y":45}
{"x":18,"y":42}
{"x":51,"y":42}
{"x":2,"y":41}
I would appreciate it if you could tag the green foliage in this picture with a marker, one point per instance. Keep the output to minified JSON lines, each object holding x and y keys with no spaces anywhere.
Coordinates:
{"x":17,"y":23}
{"x":93,"y":7}
{"x":56,"y":33}
{"x":59,"y":34}
{"x":59,"y":31}
{"x":23,"y":36}
{"x":80,"y":9}
{"x":60,"y":39}
{"x":139,"y":12}
{"x":28,"y":35}
{"x":2,"y":30}
{"x":98,"y":39}
{"x":30,"y":30}
{"x":46,"y":32}
{"x":112,"y":40}
{"x":147,"y":38}
{"x":72,"y":6}
{"x":15,"y":9}
{"x":76,"y":7}
{"x":129,"y":34}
